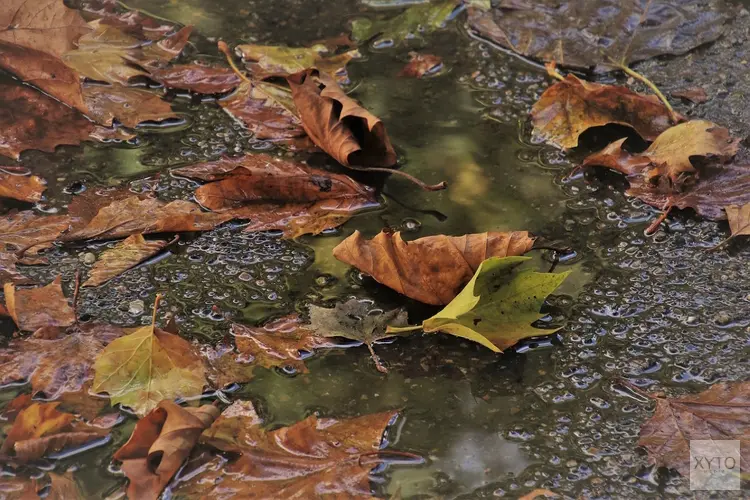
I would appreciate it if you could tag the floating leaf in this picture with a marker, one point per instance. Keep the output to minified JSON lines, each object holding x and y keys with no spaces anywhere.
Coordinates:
{"x":693,"y":94}
{"x":266,"y":61}
{"x":414,"y":22}
{"x":197,"y":78}
{"x":19,"y":184}
{"x":432,"y":269}
{"x":498,"y":306}
{"x":8,"y":271}
{"x":36,"y":308}
{"x":421,"y":65}
{"x":129,"y":106}
{"x":21,"y":231}
{"x":125,"y":255}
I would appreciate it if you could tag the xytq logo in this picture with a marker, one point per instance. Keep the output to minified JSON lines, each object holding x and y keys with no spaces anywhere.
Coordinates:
{"x":715,"y":465}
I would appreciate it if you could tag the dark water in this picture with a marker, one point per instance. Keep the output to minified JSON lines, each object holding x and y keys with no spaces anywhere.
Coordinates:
{"x":657,"y":310}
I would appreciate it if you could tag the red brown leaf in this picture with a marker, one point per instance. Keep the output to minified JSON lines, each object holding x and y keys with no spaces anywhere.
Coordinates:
{"x":129,"y":106}
{"x":19,"y":184}
{"x":197,"y":78}
{"x":125,"y":255}
{"x":422,"y":64}
{"x":21,"y":231}
{"x":35,"y":308}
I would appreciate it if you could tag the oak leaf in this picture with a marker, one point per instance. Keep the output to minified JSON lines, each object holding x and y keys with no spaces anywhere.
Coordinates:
{"x":196,"y":78}
{"x":421,"y":65}
{"x":570,"y":107}
{"x":123,"y":256}
{"x":161,"y":441}
{"x":412,"y":23}
{"x":18,"y":184}
{"x":309,"y":458}
{"x":337,"y":124}
{"x":36,"y":308}
{"x":722,"y":412}
{"x":497,"y":307}
{"x":432,"y":269}
{"x":265,"y":61}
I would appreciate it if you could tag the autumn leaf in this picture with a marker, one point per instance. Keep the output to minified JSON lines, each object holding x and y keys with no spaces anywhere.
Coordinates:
{"x":718,"y":413}
{"x":739,"y":219}
{"x":196,"y":78}
{"x":356,"y":320}
{"x":338,"y":124}
{"x":498,"y":305}
{"x":21,"y":231}
{"x":696,"y":95}
{"x":8,"y":271}
{"x":265,"y":61}
{"x":35,"y":308}
{"x":432,"y":269}
{"x":133,"y":22}
{"x":667,"y":159}
{"x":570,"y":107}
{"x":581,"y":34}
{"x":412,"y":23}
{"x":147,"y":366}
{"x":129,"y":106}
{"x":421,"y":65}
{"x":17,"y":183}
{"x":300,"y":461}
{"x":160,"y":443}
{"x":123,"y":256}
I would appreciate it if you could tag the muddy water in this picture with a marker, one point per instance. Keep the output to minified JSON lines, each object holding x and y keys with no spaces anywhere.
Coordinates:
{"x":659,"y":311}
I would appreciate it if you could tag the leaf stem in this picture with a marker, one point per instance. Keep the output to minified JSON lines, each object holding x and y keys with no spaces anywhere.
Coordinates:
{"x":655,"y":225}
{"x":401,"y":329}
{"x":552,"y":71}
{"x":427,"y":187}
{"x":156,"y":308}
{"x":631,"y":72}
{"x":378,"y":364}
{"x":149,"y":14}
{"x":224,"y":48}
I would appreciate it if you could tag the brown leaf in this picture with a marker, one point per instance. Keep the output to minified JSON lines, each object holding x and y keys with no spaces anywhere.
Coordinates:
{"x":300,"y":461}
{"x":129,"y":106}
{"x":160,"y":443}
{"x":668,"y":158}
{"x":59,"y":363}
{"x":63,"y":487}
{"x":422,"y":64}
{"x":19,"y":184}
{"x":718,"y":413}
{"x":265,"y":61}
{"x":739,"y":219}
{"x":133,"y":22}
{"x":125,"y":255}
{"x":197,"y":78}
{"x":432,"y":269}
{"x":693,"y":94}
{"x":338,"y":124}
{"x":8,"y":271}
{"x":20,"y":231}
{"x":36,"y":308}
{"x":572,"y":106}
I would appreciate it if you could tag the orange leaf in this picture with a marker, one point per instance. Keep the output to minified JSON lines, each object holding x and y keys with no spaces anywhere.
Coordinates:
{"x":125,"y":255}
{"x":36,"y":308}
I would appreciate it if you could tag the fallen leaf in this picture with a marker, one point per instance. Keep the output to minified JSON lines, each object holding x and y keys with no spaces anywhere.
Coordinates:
{"x":63,"y":487}
{"x":582,"y":34}
{"x":265,"y":61}
{"x":147,"y":366}
{"x":693,"y":94}
{"x":36,"y":308}
{"x":134,"y":22}
{"x":155,"y":55}
{"x":197,"y":78}
{"x":314,"y":457}
{"x":432,"y":269}
{"x":125,"y":255}
{"x":739,"y":219}
{"x":338,"y":124}
{"x":719,"y":413}
{"x":56,"y":364}
{"x":21,"y":231}
{"x":8,"y":271}
{"x":498,"y":305}
{"x":357,"y":320}
{"x":160,"y":443}
{"x":129,"y":106}
{"x":570,"y":107}
{"x":667,"y":159}
{"x":19,"y":184}
{"x":422,"y":64}
{"x":412,"y":23}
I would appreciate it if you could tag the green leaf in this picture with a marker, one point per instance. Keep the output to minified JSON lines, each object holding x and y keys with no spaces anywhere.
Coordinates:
{"x":414,"y":21}
{"x":498,"y":305}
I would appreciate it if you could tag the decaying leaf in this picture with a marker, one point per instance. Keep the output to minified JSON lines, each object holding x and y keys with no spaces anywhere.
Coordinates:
{"x":337,"y":124}
{"x":35,"y":308}
{"x":588,"y":33}
{"x":160,"y":443}
{"x":695,"y":95}
{"x":498,"y":306}
{"x":306,"y":460}
{"x":125,"y":255}
{"x":265,"y":61}
{"x":8,"y":271}
{"x":739,"y":219}
{"x":415,"y":21}
{"x":128,"y":105}
{"x":147,"y":366}
{"x":668,"y":158}
{"x":21,"y":231}
{"x":722,"y":412}
{"x":356,"y":320}
{"x":570,"y":107}
{"x":19,"y":184}
{"x":197,"y":78}
{"x":421,"y":65}
{"x":133,"y":22}
{"x":432,"y":269}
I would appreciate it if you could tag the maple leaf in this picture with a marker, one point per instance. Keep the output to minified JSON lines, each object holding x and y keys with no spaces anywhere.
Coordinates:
{"x":36,"y":308}
{"x":718,"y":413}
{"x":498,"y":305}
{"x":421,"y":65}
{"x":570,"y":107}
{"x":125,"y":255}
{"x":161,"y":441}
{"x":147,"y":366}
{"x":432,"y":269}
{"x":17,"y":183}
{"x":412,"y":23}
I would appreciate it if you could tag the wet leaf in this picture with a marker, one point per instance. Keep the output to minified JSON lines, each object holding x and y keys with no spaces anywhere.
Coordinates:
{"x":8,"y":271}
{"x":266,"y":60}
{"x":739,"y":219}
{"x":125,"y":255}
{"x":412,"y":23}
{"x":160,"y":443}
{"x":21,"y":231}
{"x":585,"y":33}
{"x":63,"y":486}
{"x":19,"y":184}
{"x":147,"y":366}
{"x":718,"y":413}
{"x":338,"y":124}
{"x":422,"y":64}
{"x":668,"y":158}
{"x":498,"y":306}
{"x":570,"y":107}
{"x":693,"y":94}
{"x":300,"y":461}
{"x":35,"y":308}
{"x":56,"y":362}
{"x":432,"y":269}
{"x":197,"y":78}
{"x":129,"y":106}
{"x":356,"y":320}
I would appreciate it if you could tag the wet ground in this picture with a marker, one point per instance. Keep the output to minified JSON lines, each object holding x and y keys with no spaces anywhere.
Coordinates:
{"x":661,"y":311}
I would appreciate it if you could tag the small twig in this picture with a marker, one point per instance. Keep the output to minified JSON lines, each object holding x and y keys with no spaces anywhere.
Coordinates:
{"x":402,"y":329}
{"x":156,"y":308}
{"x":378,"y":454}
{"x":552,"y":71}
{"x":149,"y":14}
{"x":427,"y":187}
{"x":637,"y":389}
{"x":378,"y":364}
{"x":76,"y":289}
{"x":630,"y":72}
{"x":655,"y":225}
